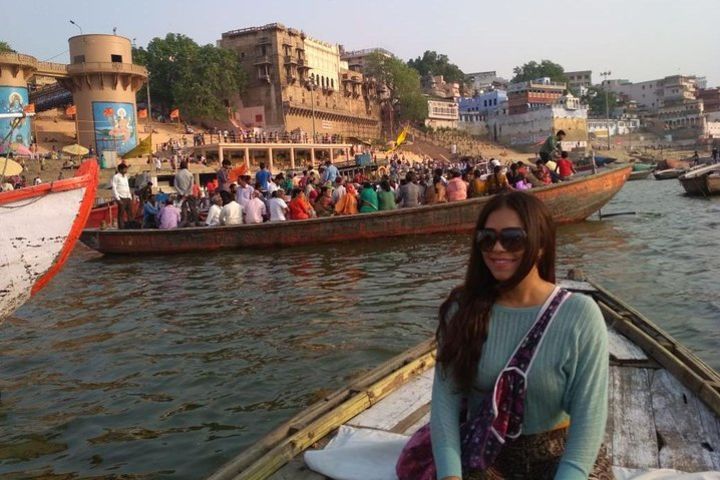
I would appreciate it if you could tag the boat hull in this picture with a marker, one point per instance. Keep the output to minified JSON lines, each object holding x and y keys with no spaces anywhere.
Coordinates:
{"x":701,"y":181}
{"x":568,"y":202}
{"x":40,"y":226}
{"x":668,"y":174}
{"x":639,"y":175}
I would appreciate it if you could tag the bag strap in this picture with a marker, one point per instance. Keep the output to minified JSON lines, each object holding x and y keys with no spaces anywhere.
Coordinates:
{"x":524,"y":354}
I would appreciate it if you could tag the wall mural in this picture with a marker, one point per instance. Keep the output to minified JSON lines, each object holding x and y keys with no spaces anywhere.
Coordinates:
{"x":115,"y":126}
{"x":13,"y":100}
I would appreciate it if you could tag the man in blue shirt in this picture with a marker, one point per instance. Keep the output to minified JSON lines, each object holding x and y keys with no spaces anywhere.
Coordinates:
{"x":331,"y":172}
{"x":262,"y":177}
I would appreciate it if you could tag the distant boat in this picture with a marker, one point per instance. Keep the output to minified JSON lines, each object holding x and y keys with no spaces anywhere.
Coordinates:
{"x":697,"y":181}
{"x":668,"y":174}
{"x":641,"y":167}
{"x":569,"y":202}
{"x":39,"y":226}
{"x":639,"y":175}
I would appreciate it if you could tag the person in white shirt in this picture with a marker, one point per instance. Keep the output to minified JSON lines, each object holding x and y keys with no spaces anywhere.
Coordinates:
{"x":231,"y":214}
{"x":339,"y":191}
{"x":122,"y":195}
{"x":245,"y":191}
{"x":278,"y":207}
{"x":213,"y":217}
{"x":255,"y":209}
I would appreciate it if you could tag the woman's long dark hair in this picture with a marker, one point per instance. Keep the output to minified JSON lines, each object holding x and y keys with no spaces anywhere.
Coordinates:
{"x":461,"y":338}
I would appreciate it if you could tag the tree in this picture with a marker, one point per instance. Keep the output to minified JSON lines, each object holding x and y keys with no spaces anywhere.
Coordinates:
{"x":5,"y":47}
{"x":201,"y":81}
{"x":533,"y":70}
{"x":403,"y":84}
{"x":595,"y":99}
{"x":437,"y":64}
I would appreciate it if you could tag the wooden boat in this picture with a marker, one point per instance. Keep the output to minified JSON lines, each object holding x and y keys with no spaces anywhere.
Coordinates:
{"x":569,"y":202}
{"x":639,"y":174}
{"x":40,"y":225}
{"x":668,"y":174}
{"x":102,"y":215}
{"x":664,"y":404}
{"x":713,"y":183}
{"x":695,"y":181}
{"x":638,"y":166}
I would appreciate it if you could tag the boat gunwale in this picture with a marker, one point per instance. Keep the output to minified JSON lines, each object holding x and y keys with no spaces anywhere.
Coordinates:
{"x":692,"y":372}
{"x":345,"y":218}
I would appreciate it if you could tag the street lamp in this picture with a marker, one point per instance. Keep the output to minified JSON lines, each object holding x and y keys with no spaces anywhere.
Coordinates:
{"x":78,"y":26}
{"x":607,"y":108}
{"x":311,"y":85}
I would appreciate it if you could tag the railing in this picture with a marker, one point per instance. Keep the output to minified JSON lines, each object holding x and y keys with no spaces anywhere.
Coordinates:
{"x":19,"y":58}
{"x":52,"y":67}
{"x":262,"y":59}
{"x":94,"y":67}
{"x":269,"y":26}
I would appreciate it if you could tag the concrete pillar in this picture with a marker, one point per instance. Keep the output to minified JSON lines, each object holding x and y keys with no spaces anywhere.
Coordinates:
{"x":220,"y":155}
{"x":312,"y":156}
{"x":15,"y":71}
{"x":331,"y":155}
{"x":292,"y":158}
{"x":270,"y":159}
{"x":104,"y":81}
{"x":247,"y":159}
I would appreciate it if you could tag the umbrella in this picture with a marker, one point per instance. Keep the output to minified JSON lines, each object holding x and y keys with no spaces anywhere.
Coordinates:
{"x":9,"y":167}
{"x":20,"y":149}
{"x":75,"y":149}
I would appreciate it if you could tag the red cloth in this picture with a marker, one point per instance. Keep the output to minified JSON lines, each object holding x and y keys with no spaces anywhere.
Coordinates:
{"x":565,"y":167}
{"x":298,"y":209}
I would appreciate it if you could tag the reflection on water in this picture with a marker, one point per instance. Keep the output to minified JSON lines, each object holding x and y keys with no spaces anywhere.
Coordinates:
{"x":167,"y":367}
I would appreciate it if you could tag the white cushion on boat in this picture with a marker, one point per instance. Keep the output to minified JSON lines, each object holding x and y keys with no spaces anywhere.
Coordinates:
{"x":661,"y":474}
{"x":358,"y":454}
{"x":368,"y":454}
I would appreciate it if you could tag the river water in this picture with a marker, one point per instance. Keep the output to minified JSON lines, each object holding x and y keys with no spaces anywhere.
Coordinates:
{"x":167,"y":367}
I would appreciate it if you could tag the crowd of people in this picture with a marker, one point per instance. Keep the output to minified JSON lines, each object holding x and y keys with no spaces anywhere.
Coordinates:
{"x":324,"y":192}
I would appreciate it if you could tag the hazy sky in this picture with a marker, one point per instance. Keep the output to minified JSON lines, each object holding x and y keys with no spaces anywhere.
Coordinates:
{"x":635,"y":39}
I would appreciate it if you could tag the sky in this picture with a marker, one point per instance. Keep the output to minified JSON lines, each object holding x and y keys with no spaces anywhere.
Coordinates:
{"x":634,"y":39}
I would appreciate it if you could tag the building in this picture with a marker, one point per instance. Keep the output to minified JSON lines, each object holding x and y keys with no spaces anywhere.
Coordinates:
{"x":442,"y":113}
{"x":297,"y":83}
{"x":357,"y":59}
{"x":710,"y":98}
{"x":579,"y":81}
{"x":474,"y":111}
{"x":528,"y":129}
{"x":526,"y":96}
{"x":600,"y":126}
{"x":651,"y":95}
{"x":436,"y":86}
{"x":479,"y":82}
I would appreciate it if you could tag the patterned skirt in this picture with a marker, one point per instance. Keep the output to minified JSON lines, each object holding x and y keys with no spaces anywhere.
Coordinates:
{"x":537,"y":457}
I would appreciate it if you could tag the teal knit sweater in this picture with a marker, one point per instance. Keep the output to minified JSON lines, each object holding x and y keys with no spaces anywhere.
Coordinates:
{"x":569,"y":378}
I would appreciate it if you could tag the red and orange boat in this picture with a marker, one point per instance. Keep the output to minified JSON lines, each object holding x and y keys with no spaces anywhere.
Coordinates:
{"x":569,"y":202}
{"x":40,"y":225}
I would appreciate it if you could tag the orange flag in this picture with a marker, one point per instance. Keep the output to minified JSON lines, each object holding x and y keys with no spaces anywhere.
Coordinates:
{"x":29,"y":108}
{"x":142,"y":113}
{"x":175,"y":113}
{"x":71,"y":110}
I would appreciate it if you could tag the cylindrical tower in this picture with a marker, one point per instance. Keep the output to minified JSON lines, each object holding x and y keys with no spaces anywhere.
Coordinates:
{"x":104,"y":81}
{"x":15,"y":71}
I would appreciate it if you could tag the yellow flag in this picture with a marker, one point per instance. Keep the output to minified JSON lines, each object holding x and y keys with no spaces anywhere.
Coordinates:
{"x":142,"y":148}
{"x":400,"y":139}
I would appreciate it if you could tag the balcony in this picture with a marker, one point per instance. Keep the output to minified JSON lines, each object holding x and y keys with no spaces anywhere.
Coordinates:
{"x":289,"y":60}
{"x":264,"y":77}
{"x":262,"y":60}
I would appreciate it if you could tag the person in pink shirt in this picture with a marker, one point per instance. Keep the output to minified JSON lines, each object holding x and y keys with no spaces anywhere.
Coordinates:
{"x":255,"y":209}
{"x":169,"y":216}
{"x":456,"y":188}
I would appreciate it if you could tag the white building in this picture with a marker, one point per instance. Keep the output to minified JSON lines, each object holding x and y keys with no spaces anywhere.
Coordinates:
{"x":442,"y":113}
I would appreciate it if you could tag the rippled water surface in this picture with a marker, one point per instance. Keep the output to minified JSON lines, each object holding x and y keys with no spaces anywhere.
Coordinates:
{"x":167,"y":367}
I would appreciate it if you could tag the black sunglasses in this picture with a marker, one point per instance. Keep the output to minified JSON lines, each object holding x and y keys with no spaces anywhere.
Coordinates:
{"x":511,"y":239}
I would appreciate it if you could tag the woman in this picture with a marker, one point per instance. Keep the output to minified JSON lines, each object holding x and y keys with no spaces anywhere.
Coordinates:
{"x":324,"y":205}
{"x":368,"y":199}
{"x":299,"y":207}
{"x":347,"y":204}
{"x":497,"y":182}
{"x":440,"y":190}
{"x":511,"y":273}
{"x":386,"y":197}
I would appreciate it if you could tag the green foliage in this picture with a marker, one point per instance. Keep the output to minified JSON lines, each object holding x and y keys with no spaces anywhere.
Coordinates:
{"x":437,"y":64}
{"x":403,"y":83}
{"x":5,"y":47}
{"x":201,"y":81}
{"x":595,"y":99}
{"x":533,"y":70}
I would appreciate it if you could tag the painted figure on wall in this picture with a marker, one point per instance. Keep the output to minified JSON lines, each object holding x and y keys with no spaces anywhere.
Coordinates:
{"x":13,"y":100}
{"x":115,"y":126}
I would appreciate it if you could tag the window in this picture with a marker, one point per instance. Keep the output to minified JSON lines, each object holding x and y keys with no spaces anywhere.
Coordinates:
{"x":116,"y":58}
{"x":79,"y":59}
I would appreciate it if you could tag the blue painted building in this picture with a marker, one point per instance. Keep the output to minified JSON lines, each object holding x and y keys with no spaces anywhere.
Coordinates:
{"x":477,"y":109}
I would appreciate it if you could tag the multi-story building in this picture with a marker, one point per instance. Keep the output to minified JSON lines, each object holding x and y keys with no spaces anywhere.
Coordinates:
{"x":579,"y":81}
{"x":526,"y":96}
{"x":651,"y":95}
{"x":357,"y":59}
{"x":710,"y":98}
{"x":300,"y":83}
{"x":480,"y":82}
{"x":442,"y":113}
{"x":478,"y":108}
